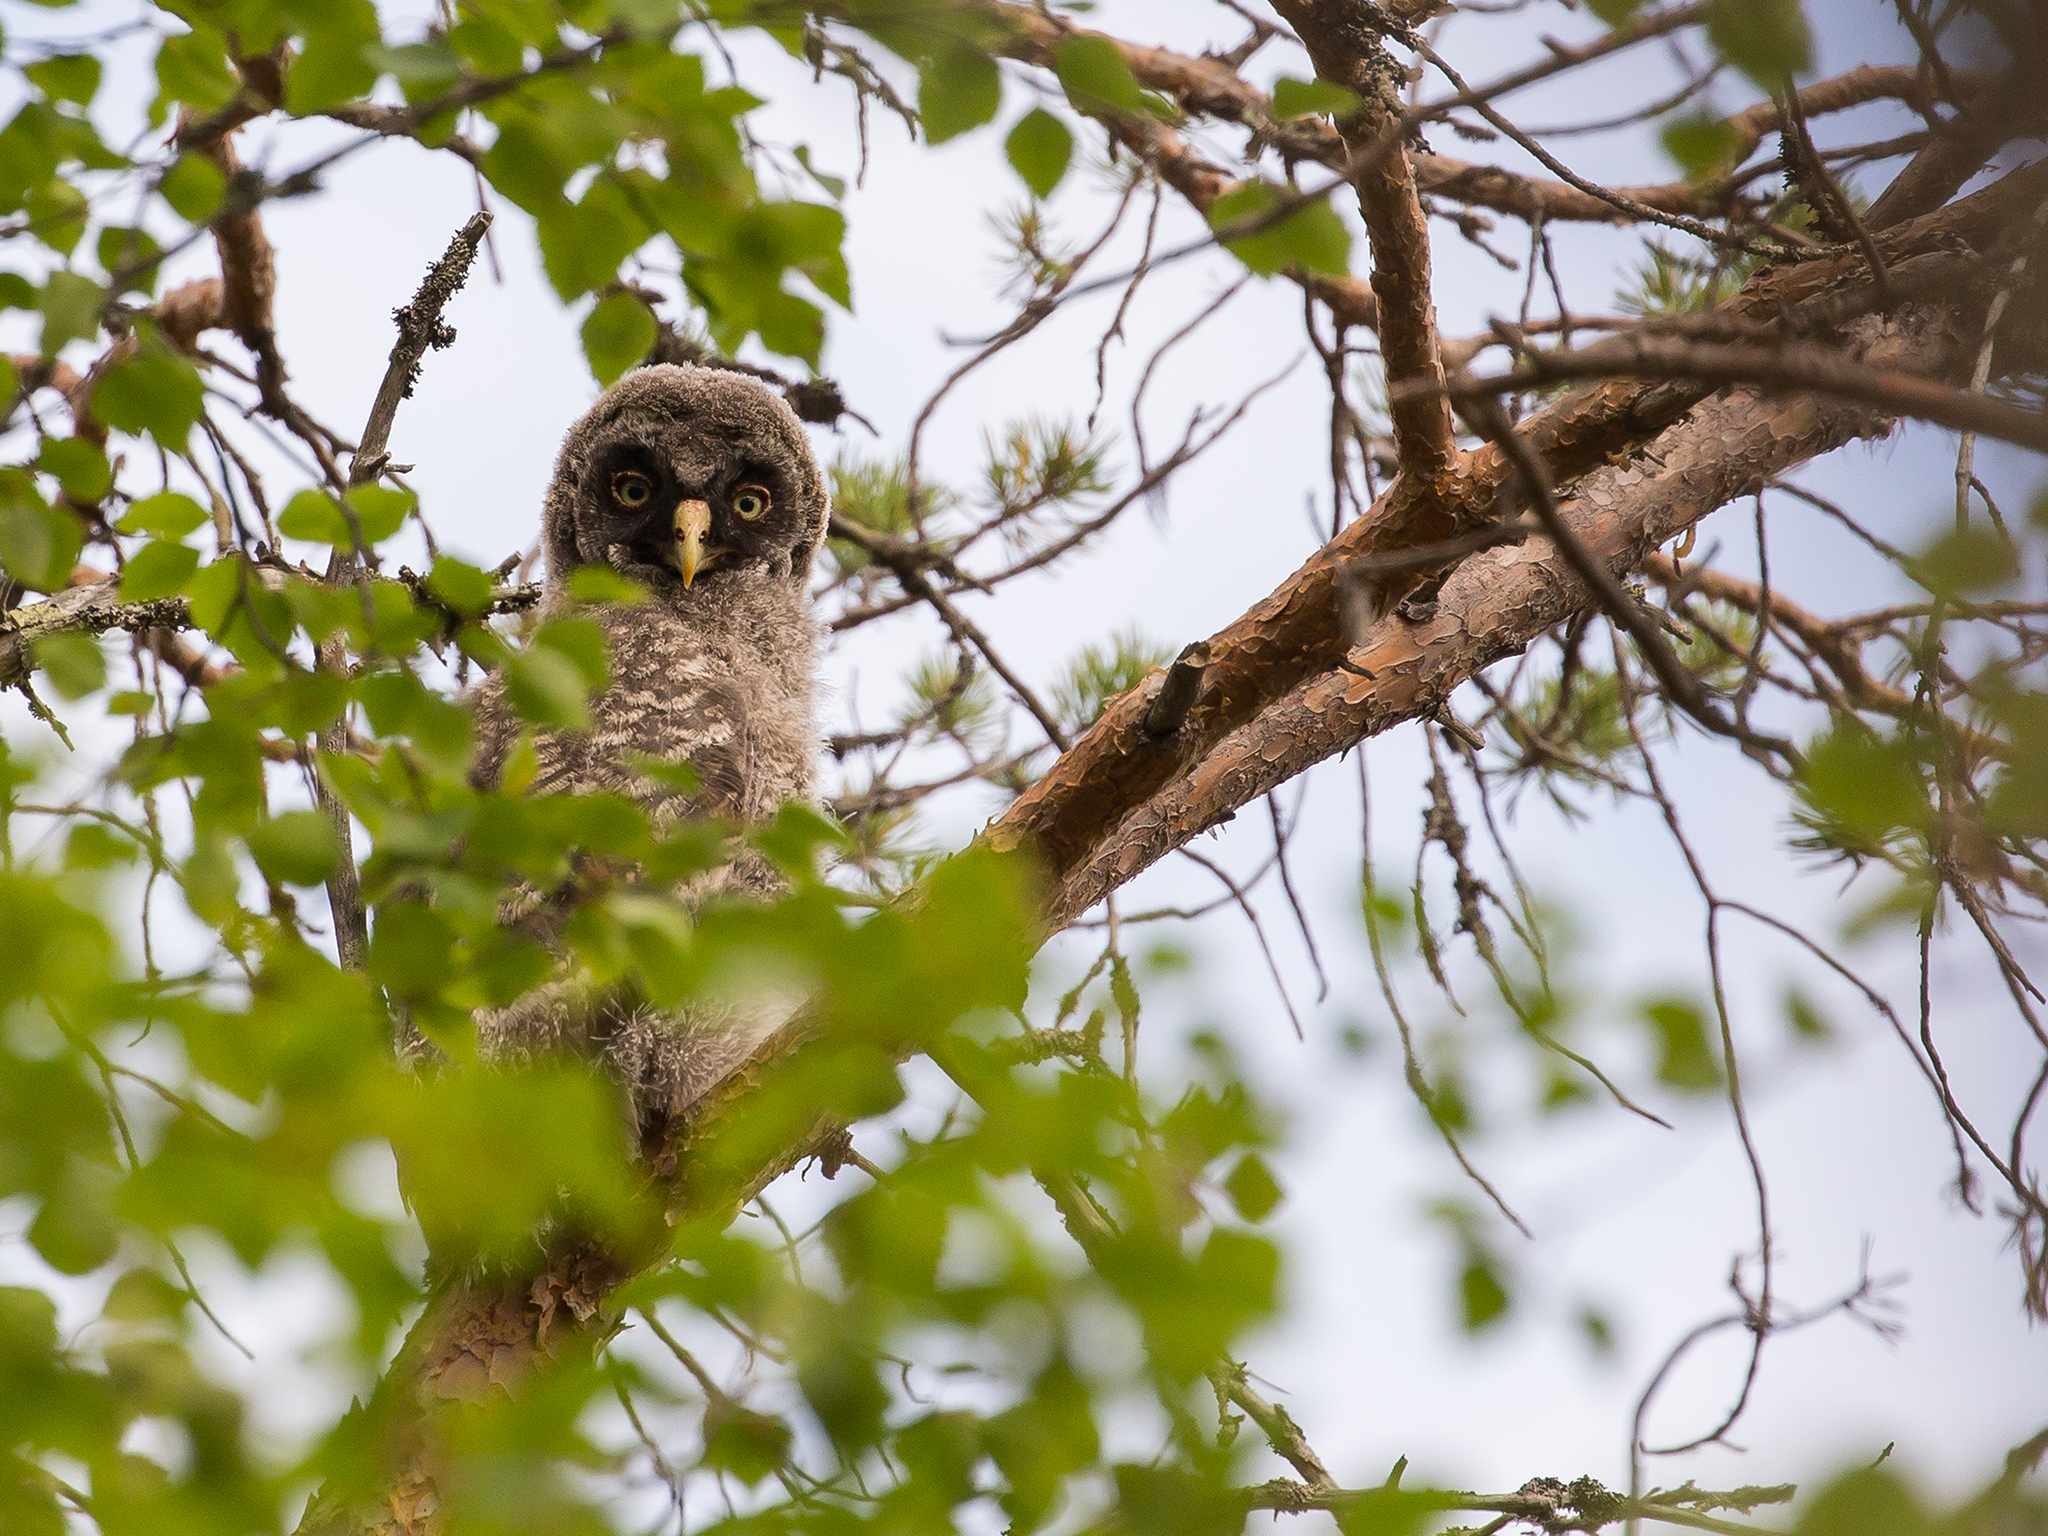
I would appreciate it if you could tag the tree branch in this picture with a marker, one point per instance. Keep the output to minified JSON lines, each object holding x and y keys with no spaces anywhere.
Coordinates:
{"x":1299,"y":631}
{"x":1779,"y":369}
{"x":420,"y":327}
{"x":95,"y":608}
{"x":1343,"y":42}
{"x":1995,"y":113}
{"x":1490,"y":606}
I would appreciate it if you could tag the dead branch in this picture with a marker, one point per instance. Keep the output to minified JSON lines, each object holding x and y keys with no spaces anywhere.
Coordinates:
{"x":420,"y":328}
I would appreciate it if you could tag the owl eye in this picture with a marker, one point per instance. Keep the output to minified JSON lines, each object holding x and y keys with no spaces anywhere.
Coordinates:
{"x":750,"y":503}
{"x":632,"y":489}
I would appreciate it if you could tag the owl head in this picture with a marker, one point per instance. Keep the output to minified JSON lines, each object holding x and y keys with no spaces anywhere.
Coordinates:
{"x":679,"y":477}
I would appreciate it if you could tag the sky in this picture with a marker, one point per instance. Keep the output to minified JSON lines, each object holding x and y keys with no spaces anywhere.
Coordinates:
{"x":1639,"y":1223}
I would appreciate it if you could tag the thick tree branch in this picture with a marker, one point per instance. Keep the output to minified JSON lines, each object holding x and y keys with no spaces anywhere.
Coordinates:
{"x":1342,"y":40}
{"x":1996,"y":113}
{"x":1491,"y":606}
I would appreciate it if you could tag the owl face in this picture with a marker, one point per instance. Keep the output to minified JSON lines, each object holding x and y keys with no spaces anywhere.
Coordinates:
{"x":680,"y":477}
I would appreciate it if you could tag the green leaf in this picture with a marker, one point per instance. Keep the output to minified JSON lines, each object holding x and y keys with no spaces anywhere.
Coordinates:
{"x":1767,"y":40}
{"x":618,"y":335}
{"x":1312,"y":237}
{"x":959,"y":89}
{"x":1040,"y":148}
{"x":75,"y":1230}
{"x":1483,"y":1298}
{"x":487,"y":43}
{"x":61,"y":213}
{"x":412,"y":950}
{"x":747,"y":1444}
{"x":209,"y":880}
{"x":167,"y":513}
{"x":1094,"y":75}
{"x":1868,"y":1502}
{"x":74,"y":662}
{"x":460,"y":585}
{"x":546,"y":688}
{"x":1967,"y":560}
{"x":1253,"y":1189}
{"x":1864,"y":789}
{"x":1684,"y":1059}
{"x":194,"y":187}
{"x":602,"y":584}
{"x":1598,"y":1331}
{"x":79,"y":466}
{"x":582,"y":642}
{"x":71,"y":312}
{"x":583,"y":243}
{"x":380,"y":510}
{"x":132,"y":255}
{"x":214,"y":592}
{"x":39,"y":543}
{"x":1173,"y":1501}
{"x":155,"y":391}
{"x":143,"y":1296}
{"x":423,"y":70}
{"x":1809,"y":1024}
{"x":158,"y":569}
{"x":1615,"y":12}
{"x":1703,"y":145}
{"x":318,"y":518}
{"x":332,"y":67}
{"x":835,"y":186}
{"x":66,"y":77}
{"x":296,"y":848}
{"x":194,"y":69}
{"x":1311,"y":98}
{"x":315,"y":517}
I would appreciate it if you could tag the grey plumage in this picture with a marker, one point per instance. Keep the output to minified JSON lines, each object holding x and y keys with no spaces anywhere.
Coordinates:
{"x":669,"y":467}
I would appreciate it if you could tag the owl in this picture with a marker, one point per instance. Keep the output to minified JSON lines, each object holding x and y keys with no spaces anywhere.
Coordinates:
{"x":699,"y":485}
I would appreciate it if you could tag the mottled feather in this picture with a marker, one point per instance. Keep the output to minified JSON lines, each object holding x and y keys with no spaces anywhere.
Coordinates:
{"x":717,"y":673}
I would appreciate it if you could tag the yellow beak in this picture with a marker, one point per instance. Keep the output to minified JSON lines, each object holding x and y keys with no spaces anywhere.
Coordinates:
{"x":693,"y":524}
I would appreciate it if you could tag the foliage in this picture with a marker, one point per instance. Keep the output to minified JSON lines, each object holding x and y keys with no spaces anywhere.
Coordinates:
{"x":185,"y":1071}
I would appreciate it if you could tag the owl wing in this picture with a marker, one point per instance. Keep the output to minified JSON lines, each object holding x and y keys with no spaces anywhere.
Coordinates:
{"x":687,"y":711}
{"x":671,"y":701}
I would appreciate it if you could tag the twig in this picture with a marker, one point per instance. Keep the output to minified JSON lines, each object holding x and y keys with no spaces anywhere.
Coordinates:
{"x":1980,"y":373}
{"x":420,"y":327}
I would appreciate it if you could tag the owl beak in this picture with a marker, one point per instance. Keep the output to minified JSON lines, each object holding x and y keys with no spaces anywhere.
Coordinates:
{"x":693,"y":524}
